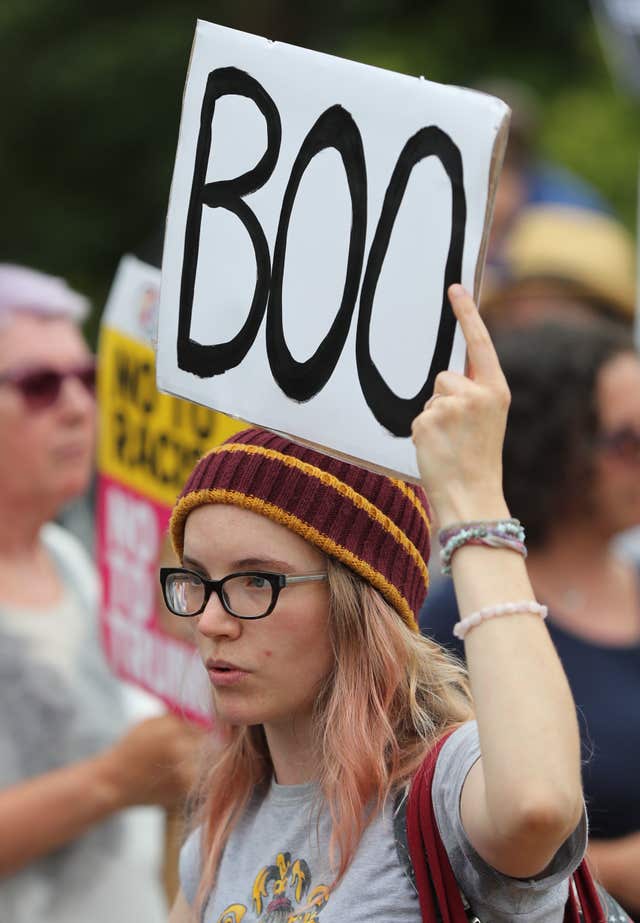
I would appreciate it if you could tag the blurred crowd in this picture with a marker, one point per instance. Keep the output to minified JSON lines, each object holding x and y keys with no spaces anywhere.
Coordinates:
{"x":88,"y":765}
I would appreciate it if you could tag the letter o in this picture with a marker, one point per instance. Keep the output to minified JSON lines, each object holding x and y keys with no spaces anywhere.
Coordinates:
{"x":302,"y":380}
{"x":396,"y":413}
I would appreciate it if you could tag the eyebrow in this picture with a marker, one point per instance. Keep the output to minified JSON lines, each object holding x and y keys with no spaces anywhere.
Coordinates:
{"x":250,"y":563}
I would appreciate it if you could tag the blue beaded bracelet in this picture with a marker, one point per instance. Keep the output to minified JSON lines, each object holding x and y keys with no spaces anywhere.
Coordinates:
{"x":499,"y":533}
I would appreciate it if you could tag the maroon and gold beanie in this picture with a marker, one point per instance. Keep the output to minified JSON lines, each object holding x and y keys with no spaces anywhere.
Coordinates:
{"x":376,"y":525}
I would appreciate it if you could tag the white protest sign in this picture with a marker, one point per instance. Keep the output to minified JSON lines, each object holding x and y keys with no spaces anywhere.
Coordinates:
{"x":319,"y":210}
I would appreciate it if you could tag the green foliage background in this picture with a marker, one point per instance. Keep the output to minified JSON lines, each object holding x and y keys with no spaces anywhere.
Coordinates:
{"x":91,"y":92}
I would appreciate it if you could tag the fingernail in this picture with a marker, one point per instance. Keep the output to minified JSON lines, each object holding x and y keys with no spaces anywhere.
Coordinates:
{"x":456,"y":291}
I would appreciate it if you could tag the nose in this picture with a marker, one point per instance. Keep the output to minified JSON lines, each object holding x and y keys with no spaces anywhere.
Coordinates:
{"x":75,"y":399}
{"x":216,"y":622}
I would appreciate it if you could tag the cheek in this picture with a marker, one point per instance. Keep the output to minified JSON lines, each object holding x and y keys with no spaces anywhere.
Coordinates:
{"x":619,"y":496}
{"x":25,"y":444}
{"x":301,"y":646}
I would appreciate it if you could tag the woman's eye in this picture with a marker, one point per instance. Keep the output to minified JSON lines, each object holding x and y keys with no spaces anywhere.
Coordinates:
{"x":257,"y":582}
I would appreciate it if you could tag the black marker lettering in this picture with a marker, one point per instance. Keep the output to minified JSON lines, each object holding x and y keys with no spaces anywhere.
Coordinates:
{"x":393,"y":412}
{"x":208,"y":360}
{"x":302,"y":380}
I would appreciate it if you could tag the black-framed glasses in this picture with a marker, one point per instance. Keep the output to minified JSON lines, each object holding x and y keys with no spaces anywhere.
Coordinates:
{"x":623,"y":442}
{"x":40,"y":386}
{"x":246,"y":595}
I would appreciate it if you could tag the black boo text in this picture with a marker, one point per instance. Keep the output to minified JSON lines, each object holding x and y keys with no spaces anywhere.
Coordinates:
{"x":335,"y":128}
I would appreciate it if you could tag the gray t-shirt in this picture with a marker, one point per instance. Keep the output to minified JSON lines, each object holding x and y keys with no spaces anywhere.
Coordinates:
{"x":275,"y":864}
{"x":61,"y":704}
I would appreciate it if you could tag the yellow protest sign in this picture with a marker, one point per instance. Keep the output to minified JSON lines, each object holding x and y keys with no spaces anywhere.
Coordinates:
{"x":148,"y":440}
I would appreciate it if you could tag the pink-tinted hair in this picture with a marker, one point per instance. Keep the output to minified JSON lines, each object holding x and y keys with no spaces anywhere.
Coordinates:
{"x":390,"y":695}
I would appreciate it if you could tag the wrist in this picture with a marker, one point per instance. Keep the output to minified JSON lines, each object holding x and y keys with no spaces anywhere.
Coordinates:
{"x":462,"y":509}
{"x":500,"y":533}
{"x":108,"y":783}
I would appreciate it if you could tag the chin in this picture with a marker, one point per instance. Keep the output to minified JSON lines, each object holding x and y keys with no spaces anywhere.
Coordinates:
{"x":241,"y":713}
{"x":238,"y":715}
{"x":69,"y":490}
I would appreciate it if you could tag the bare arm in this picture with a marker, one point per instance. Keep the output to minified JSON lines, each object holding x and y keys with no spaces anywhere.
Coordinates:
{"x":153,"y":764}
{"x":181,"y":912}
{"x":615,"y":863}
{"x":48,"y":811}
{"x":524,"y":797}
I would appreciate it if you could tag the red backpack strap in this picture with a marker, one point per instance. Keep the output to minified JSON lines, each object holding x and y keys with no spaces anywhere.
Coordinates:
{"x":584,"y":904}
{"x":438,"y":889}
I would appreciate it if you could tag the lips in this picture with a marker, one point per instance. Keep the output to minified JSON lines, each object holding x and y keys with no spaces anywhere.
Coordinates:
{"x":223,"y":673}
{"x":222,"y":665}
{"x":72,"y":452}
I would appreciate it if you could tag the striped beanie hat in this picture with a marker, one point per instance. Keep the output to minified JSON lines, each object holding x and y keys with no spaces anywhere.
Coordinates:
{"x":376,"y":525}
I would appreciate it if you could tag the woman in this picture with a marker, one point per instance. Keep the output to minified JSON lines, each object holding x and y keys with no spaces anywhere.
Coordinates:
{"x":329,"y":699}
{"x":70,"y":762}
{"x":572,"y":476}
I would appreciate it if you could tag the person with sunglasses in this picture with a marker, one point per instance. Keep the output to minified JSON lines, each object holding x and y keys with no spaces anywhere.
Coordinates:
{"x":69,"y":758}
{"x":302,"y":576}
{"x":572,"y":476}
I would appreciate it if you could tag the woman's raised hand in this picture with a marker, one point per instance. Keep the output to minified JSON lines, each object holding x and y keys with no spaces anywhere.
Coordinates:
{"x":459,"y":434}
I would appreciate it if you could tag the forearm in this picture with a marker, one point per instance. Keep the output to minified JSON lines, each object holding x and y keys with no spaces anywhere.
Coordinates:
{"x":615,"y":864}
{"x":524,"y":797}
{"x":45,"y":813}
{"x":526,"y":716}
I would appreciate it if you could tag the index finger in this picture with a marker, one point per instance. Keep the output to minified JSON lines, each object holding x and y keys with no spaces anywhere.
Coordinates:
{"x":482,"y":359}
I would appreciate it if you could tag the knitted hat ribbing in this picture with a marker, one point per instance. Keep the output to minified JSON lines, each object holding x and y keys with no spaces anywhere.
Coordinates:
{"x":376,"y":525}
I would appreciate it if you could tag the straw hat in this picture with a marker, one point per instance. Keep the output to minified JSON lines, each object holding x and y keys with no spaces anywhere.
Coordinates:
{"x":589,"y":253}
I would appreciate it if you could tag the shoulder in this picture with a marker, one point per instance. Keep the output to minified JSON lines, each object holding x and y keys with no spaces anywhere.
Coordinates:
{"x":458,"y":754}
{"x":490,"y":893}
{"x":72,"y":559}
{"x":63,"y":543}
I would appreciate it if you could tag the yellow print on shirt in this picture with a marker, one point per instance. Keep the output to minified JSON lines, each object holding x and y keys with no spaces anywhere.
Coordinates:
{"x":282,"y":893}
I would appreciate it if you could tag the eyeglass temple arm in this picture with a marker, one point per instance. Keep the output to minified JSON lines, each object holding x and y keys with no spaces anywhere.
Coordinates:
{"x":303,"y":578}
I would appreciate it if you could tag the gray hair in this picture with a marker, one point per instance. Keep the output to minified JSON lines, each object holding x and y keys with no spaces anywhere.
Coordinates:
{"x":27,"y":291}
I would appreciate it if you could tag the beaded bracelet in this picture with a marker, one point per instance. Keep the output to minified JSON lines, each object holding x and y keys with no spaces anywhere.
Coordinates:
{"x":463,"y":627}
{"x":499,"y":533}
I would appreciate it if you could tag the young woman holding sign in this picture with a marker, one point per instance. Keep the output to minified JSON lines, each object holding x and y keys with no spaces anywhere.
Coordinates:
{"x":303,"y":576}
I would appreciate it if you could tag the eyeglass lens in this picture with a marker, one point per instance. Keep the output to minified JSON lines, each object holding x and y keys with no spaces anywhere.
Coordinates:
{"x":245,"y":595}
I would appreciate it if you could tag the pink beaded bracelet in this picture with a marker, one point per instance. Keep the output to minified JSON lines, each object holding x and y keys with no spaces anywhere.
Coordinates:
{"x":465,"y":625}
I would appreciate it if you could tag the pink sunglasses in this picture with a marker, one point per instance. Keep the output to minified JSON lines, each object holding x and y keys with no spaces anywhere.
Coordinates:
{"x":40,"y":386}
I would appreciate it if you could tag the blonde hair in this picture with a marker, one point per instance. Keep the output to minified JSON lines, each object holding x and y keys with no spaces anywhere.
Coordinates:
{"x":390,"y":695}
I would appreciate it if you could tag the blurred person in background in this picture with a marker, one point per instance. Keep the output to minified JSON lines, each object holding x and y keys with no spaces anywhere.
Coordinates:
{"x":68,"y":764}
{"x":526,"y":179}
{"x":563,"y":261}
{"x":572,"y":476}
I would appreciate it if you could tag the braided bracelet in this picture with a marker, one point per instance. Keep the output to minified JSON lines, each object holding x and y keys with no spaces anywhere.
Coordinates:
{"x":463,"y":627}
{"x":498,"y":533}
